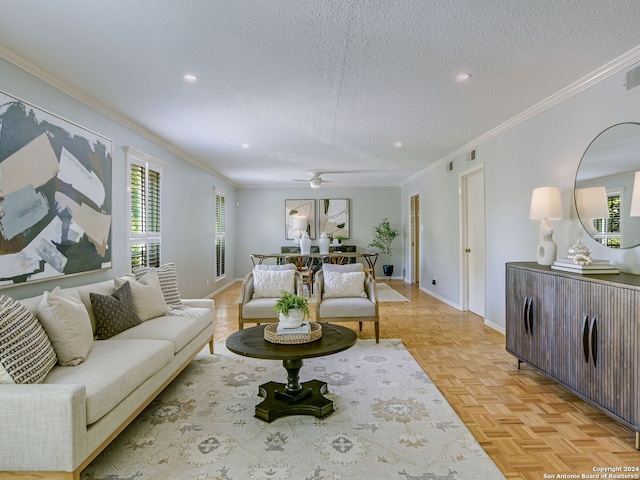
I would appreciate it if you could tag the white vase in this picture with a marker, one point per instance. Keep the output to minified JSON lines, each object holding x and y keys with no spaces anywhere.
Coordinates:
{"x":323,"y":243}
{"x":293,"y":320}
{"x":305,"y":244}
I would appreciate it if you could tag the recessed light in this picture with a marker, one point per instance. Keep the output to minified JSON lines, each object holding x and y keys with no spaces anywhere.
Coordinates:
{"x":397,"y":144}
{"x":245,"y":145}
{"x":190,"y":77}
{"x":461,"y":77}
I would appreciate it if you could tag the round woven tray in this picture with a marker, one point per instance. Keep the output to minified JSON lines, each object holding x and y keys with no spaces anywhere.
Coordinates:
{"x":270,"y":335}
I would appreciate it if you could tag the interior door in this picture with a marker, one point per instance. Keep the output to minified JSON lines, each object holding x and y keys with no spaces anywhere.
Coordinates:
{"x":415,"y":239}
{"x":475,"y":241}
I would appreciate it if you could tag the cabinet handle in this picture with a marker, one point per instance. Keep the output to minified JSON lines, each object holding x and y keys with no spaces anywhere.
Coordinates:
{"x":585,"y":338}
{"x":525,"y":314}
{"x":593,"y":340}
{"x":530,"y":316}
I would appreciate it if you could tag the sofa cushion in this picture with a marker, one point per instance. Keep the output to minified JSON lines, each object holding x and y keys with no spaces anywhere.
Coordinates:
{"x":259,"y":308}
{"x":113,"y":369}
{"x":168,"y":278}
{"x":26,"y":354}
{"x":343,"y":284}
{"x":179,"y":330}
{"x":66,"y":321}
{"x":269,"y":283}
{"x":148,"y":299}
{"x":115,"y":312}
{"x":347,"y":307}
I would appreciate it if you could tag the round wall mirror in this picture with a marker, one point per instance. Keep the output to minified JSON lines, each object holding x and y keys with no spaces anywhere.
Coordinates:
{"x":607,"y":201}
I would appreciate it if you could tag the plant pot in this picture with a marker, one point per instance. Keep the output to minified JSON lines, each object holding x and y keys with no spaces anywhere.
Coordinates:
{"x":388,"y":270}
{"x":293,"y":320}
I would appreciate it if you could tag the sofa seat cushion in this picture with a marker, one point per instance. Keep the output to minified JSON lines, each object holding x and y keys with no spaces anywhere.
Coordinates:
{"x":113,"y":369}
{"x":347,"y":307}
{"x":179,"y":330}
{"x":260,"y":308}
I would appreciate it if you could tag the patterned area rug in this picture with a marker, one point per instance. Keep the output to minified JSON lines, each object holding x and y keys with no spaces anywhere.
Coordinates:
{"x":390,"y":422}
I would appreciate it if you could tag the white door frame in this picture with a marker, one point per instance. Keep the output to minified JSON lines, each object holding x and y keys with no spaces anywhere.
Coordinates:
{"x":464,"y":269}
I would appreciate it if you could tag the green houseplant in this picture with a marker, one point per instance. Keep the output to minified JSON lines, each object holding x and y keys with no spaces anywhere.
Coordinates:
{"x":292,"y":309}
{"x":383,"y":236}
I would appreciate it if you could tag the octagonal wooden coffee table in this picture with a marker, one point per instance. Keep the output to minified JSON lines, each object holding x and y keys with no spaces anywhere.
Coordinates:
{"x":293,"y":397}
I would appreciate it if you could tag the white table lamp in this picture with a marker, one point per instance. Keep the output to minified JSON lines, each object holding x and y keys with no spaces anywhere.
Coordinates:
{"x":592,"y":203}
{"x":635,"y":197}
{"x":546,"y":205}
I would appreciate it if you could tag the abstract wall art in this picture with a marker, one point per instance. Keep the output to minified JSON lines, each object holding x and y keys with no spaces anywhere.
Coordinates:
{"x":55,"y":195}
{"x":299,"y":216}
{"x":333,"y":216}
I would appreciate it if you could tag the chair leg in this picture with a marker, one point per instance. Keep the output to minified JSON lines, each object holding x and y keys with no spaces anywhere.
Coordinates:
{"x":377,"y":325}
{"x":211,"y":346}
{"x":360,"y":325}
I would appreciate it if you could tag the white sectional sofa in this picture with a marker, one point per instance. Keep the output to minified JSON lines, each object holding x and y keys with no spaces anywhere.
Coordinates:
{"x":55,"y":428}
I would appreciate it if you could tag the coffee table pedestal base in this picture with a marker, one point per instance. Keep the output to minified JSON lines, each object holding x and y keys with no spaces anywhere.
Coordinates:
{"x":278,"y":403}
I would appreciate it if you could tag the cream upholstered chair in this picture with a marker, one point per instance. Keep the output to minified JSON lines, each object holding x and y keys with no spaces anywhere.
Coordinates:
{"x":260,"y":291}
{"x":346,"y":293}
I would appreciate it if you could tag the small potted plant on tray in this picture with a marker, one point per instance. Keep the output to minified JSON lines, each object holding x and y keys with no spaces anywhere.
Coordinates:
{"x":292,"y":309}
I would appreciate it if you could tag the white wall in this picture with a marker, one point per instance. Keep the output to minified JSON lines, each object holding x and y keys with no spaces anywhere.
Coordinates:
{"x":187,"y":196}
{"x":261,"y":216}
{"x":543,"y":151}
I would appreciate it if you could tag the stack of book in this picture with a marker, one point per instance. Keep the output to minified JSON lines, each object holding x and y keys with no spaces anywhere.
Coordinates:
{"x":305,"y":328}
{"x":596,"y":267}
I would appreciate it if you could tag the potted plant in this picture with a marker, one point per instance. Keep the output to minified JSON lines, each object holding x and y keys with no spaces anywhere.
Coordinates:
{"x":292,"y":309}
{"x":383,"y":236}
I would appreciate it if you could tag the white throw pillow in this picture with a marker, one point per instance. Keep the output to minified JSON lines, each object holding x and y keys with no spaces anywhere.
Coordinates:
{"x":168,"y":278}
{"x":349,"y":267}
{"x":286,"y":266}
{"x":269,"y":283}
{"x":344,"y":284}
{"x":146,"y":293}
{"x":26,"y":353}
{"x":66,"y":321}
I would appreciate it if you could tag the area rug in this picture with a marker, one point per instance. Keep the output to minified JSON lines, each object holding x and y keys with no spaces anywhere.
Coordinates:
{"x":390,"y":422}
{"x":387,"y":294}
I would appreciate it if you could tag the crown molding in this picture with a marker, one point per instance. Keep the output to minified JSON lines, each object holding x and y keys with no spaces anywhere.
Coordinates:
{"x":47,"y":77}
{"x":617,"y":65}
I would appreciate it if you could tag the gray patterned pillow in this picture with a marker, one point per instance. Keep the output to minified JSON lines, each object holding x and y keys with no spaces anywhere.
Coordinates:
{"x":168,"y":281}
{"x":114,"y":313}
{"x":26,"y":354}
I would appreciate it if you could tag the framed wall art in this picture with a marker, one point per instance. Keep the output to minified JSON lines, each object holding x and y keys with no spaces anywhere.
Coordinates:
{"x":299,"y":216}
{"x":334,"y":217}
{"x":55,"y":195}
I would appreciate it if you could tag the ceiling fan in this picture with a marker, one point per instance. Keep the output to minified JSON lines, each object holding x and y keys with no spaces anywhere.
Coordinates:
{"x":315,"y":180}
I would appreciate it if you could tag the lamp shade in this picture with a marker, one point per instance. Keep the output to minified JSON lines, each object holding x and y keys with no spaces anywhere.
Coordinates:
{"x":298,"y":223}
{"x":592,"y":202}
{"x":635,"y":197}
{"x":545,"y":204}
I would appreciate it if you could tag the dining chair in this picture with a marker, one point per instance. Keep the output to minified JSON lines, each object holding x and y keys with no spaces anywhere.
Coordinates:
{"x":304,"y":265}
{"x":371,"y":259}
{"x":257,"y":258}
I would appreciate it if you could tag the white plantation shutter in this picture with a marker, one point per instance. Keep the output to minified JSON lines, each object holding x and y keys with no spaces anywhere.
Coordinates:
{"x":220,"y":235}
{"x":144,"y":235}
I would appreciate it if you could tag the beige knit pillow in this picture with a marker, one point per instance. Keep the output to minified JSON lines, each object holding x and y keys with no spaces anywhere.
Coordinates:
{"x":148,"y":299}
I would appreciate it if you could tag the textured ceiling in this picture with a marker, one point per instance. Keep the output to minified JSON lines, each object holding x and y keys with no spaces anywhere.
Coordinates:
{"x":318,"y":85}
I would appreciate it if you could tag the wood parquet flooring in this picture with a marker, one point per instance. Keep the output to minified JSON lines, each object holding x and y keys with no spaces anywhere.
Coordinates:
{"x":529,"y":425}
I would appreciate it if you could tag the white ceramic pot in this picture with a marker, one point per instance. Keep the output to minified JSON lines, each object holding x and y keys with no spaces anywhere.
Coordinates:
{"x":293,"y":320}
{"x":305,"y":244}
{"x":323,"y":243}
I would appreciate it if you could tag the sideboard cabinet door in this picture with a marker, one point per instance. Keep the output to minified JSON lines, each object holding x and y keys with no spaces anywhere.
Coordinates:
{"x":588,"y":336}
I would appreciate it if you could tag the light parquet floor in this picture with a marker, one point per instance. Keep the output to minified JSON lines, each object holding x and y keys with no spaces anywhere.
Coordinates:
{"x":530,"y":426}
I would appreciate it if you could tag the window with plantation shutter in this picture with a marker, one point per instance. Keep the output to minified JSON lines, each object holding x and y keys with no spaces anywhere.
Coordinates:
{"x":220,"y":236}
{"x":144,"y":236}
{"x":610,"y":229}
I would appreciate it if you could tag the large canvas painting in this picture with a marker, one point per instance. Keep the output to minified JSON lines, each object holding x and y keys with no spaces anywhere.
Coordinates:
{"x":333,"y":216}
{"x":299,"y":216}
{"x":55,"y":195}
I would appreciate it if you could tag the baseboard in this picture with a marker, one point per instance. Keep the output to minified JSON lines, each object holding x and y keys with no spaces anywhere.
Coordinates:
{"x":442,"y":299}
{"x":495,"y":326}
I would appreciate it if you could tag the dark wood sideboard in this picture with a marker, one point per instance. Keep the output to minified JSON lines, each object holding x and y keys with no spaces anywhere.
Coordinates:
{"x":580,"y":330}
